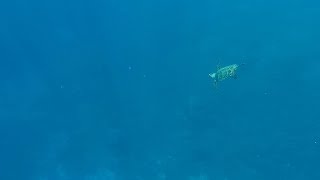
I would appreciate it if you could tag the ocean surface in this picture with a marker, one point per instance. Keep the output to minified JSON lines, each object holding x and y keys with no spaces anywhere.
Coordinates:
{"x":120,"y":90}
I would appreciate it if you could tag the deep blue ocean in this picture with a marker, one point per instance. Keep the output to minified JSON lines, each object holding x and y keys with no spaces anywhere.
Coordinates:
{"x":120,"y":90}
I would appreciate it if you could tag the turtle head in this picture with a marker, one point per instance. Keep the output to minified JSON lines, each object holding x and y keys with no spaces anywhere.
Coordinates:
{"x":212,"y":75}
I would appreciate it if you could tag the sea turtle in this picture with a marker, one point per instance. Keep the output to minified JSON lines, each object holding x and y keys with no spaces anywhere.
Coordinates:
{"x":224,"y":73}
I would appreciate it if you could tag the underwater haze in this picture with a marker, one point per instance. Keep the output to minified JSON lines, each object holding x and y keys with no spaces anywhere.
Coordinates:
{"x":120,"y":90}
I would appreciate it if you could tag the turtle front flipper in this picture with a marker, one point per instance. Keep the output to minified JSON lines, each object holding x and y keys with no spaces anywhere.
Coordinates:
{"x":218,"y":64}
{"x":215,"y":84}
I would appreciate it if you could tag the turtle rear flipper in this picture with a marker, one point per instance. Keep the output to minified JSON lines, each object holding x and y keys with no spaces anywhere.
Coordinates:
{"x":235,"y":76}
{"x":242,"y":64}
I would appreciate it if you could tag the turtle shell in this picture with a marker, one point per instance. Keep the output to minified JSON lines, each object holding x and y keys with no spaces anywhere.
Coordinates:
{"x":226,"y":72}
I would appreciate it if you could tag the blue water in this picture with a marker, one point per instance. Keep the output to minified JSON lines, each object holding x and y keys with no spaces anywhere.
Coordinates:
{"x":119,"y":90}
